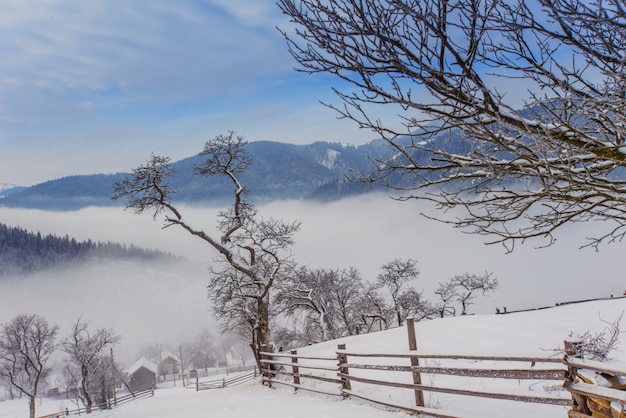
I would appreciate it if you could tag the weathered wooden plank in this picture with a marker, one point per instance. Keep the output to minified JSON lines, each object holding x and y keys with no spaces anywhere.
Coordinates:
{"x":310,"y":389}
{"x":415,"y":362}
{"x":414,"y":409}
{"x":299,"y":356}
{"x":613,"y":369}
{"x":492,"y":395}
{"x":303,"y":375}
{"x":459,"y":356}
{"x":343,"y":371}
{"x":532,"y":374}
{"x":575,"y":414}
{"x":294,"y":368}
{"x":595,"y":391}
{"x":320,"y":378}
{"x":302,"y":365}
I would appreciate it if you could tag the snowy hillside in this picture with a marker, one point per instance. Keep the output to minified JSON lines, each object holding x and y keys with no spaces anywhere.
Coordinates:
{"x":8,"y":188}
{"x":5,"y":186}
{"x":536,"y":332}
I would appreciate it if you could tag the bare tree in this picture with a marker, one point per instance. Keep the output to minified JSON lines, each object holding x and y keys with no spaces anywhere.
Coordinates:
{"x":415,"y":305}
{"x":516,"y":167}
{"x":328,"y":298}
{"x":395,"y":278}
{"x":86,"y":350}
{"x":70,"y":381}
{"x":288,"y":337}
{"x":467,"y":285}
{"x":599,"y":345}
{"x":201,"y":353}
{"x":5,"y":382}
{"x":240,"y":351}
{"x":347,"y":295}
{"x":26,"y":344}
{"x":447,"y":294}
{"x":376,"y":311}
{"x":104,"y":380}
{"x":253,"y":252}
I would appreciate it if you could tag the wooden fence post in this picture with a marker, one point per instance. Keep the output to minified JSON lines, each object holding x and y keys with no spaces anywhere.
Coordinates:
{"x":197,"y":383}
{"x":344,"y":370}
{"x":579,"y":402}
{"x":295,"y":370}
{"x":417,"y":377}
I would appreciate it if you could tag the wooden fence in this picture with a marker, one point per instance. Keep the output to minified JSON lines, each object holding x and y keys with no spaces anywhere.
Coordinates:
{"x":363,"y":375}
{"x":107,"y":405}
{"x":225,"y":382}
{"x":589,"y":398}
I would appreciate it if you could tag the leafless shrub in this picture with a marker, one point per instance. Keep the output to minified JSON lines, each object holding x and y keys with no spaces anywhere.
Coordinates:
{"x":598,"y":346}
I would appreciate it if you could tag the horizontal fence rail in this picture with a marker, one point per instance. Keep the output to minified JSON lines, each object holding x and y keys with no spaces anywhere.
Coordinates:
{"x":505,"y":372}
{"x":225,"y":382}
{"x":103,"y":406}
{"x":315,"y":374}
{"x":347,"y":373}
{"x":351,"y":373}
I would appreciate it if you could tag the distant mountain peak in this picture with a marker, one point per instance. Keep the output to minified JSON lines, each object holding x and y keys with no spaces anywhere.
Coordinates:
{"x":280,"y":171}
{"x":9,"y":188}
{"x":6,"y":186}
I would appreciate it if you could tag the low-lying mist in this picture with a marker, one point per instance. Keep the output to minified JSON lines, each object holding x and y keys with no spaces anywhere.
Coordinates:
{"x":145,"y":304}
{"x":150,"y":303}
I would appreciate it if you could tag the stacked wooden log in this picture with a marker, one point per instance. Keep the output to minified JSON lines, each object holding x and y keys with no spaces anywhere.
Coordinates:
{"x":604,"y":408}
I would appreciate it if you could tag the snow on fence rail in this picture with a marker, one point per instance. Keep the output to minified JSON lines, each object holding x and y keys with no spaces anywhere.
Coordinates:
{"x":367,"y":373}
{"x":102,"y":406}
{"x":225,"y":382}
{"x":314,"y":371}
{"x":597,"y":388}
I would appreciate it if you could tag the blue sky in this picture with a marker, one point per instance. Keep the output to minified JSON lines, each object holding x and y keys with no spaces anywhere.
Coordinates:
{"x":96,"y":86}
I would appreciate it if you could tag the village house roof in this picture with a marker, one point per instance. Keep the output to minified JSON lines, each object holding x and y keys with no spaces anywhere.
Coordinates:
{"x":168,"y":354}
{"x":143,"y":362}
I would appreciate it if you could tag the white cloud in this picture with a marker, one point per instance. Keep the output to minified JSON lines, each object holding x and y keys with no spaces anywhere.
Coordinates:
{"x":152,"y":50}
{"x":253,"y":12}
{"x":147,"y":73}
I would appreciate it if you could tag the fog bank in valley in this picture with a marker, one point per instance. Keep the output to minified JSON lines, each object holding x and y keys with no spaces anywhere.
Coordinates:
{"x":145,"y":305}
{"x":152,"y":303}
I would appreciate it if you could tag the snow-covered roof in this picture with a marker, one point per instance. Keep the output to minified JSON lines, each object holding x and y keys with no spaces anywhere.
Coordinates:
{"x":143,"y":362}
{"x":168,"y":354}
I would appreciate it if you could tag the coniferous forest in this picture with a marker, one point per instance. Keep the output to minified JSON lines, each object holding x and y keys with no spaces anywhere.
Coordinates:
{"x":23,"y":252}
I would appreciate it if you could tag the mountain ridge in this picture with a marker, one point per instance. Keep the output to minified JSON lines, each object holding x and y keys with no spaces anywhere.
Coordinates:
{"x":280,"y":171}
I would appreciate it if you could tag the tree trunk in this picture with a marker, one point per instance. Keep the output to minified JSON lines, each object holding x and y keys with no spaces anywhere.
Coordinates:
{"x":257,"y":357}
{"x":32,"y":403}
{"x":261,"y":334}
{"x":324,"y":325}
{"x":88,"y":400}
{"x":263,"y":325}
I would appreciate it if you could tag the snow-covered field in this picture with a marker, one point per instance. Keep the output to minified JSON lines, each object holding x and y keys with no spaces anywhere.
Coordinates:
{"x":247,"y":400}
{"x":537,"y":332}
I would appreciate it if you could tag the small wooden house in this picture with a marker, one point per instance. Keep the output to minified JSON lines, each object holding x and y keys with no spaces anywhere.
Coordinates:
{"x":168,"y":364}
{"x":142,"y":375}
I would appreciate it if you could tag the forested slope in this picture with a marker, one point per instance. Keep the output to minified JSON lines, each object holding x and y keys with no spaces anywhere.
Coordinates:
{"x":22,"y":251}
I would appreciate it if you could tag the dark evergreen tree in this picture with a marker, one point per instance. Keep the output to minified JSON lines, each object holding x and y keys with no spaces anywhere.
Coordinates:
{"x":23,"y":252}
